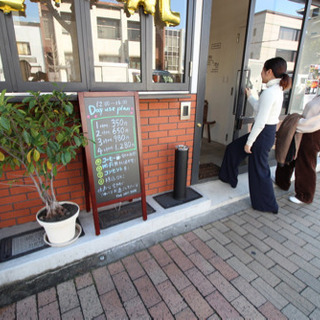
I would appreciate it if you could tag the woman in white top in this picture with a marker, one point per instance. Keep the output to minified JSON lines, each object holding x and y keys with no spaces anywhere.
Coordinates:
{"x":306,"y":162}
{"x":258,"y":143}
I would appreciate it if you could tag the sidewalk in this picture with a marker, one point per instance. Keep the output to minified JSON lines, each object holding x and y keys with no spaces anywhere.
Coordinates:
{"x":230,"y":263}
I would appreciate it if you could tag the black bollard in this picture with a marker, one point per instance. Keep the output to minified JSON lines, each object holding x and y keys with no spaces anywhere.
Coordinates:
{"x":180,"y":172}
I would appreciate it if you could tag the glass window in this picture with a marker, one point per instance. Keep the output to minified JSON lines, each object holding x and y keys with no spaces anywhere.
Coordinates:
{"x":116,"y":43}
{"x":289,"y":34}
{"x":47,"y":44}
{"x":307,"y":76}
{"x":169,"y":50}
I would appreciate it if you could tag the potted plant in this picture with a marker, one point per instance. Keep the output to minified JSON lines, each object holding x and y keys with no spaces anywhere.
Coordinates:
{"x":41,"y":135}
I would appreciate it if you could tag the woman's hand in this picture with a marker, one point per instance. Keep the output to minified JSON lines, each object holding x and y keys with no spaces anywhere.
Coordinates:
{"x":248,"y":92}
{"x":247,"y":149}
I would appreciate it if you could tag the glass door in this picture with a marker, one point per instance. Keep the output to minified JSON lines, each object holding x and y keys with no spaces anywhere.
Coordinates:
{"x":274,"y":29}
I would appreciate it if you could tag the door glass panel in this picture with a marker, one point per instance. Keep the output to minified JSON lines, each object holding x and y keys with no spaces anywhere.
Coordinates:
{"x":276,"y":32}
{"x":168,"y":57}
{"x":47,"y":42}
{"x":116,"y":42}
{"x":307,"y":76}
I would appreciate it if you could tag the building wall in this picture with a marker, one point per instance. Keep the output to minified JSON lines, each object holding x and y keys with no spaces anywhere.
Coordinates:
{"x":161,"y":131}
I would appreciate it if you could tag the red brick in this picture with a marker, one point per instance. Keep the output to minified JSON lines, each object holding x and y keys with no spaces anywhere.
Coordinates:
{"x":161,"y":311}
{"x":158,"y":134}
{"x":147,"y":291}
{"x":271,"y":312}
{"x":7,"y":223}
{"x":159,"y":120}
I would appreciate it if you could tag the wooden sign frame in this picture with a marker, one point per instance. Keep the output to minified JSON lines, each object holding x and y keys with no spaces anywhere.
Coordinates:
{"x":89,"y":160}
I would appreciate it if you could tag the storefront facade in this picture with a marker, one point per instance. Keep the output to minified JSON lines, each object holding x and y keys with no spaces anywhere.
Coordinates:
{"x":192,"y":51}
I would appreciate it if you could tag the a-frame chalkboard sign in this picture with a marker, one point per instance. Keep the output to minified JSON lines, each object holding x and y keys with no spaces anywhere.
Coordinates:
{"x":111,"y":122}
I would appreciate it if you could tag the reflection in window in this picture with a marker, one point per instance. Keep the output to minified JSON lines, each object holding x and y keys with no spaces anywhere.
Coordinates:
{"x":307,"y":77}
{"x":47,"y":42}
{"x":277,"y":26}
{"x":116,"y":43}
{"x":169,"y":51}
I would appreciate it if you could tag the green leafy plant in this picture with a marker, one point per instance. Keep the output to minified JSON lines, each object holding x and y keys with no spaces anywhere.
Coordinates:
{"x":41,"y":135}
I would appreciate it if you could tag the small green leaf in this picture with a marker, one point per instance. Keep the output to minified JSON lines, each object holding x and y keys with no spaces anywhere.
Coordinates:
{"x":1,"y":156}
{"x":5,"y":123}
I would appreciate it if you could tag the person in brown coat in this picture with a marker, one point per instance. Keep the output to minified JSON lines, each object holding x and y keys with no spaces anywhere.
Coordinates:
{"x":305,"y":164}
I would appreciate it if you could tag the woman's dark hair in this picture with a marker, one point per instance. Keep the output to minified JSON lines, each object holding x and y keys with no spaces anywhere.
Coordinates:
{"x":279,"y":68}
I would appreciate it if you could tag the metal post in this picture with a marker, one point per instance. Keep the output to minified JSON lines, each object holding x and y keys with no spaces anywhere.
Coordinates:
{"x":180,"y":172}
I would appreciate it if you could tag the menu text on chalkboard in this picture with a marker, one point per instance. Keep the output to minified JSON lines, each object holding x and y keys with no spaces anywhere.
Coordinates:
{"x":110,"y":121}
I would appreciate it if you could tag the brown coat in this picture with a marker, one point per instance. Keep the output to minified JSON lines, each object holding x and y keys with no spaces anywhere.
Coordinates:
{"x":285,"y":134}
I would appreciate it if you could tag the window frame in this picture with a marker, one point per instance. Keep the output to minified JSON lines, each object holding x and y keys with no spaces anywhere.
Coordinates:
{"x":13,"y":78}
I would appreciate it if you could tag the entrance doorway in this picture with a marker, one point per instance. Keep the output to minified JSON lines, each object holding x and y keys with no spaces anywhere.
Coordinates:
{"x":243,"y":35}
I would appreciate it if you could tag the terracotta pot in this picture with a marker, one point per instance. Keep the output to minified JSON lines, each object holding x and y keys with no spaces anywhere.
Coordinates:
{"x":60,"y":232}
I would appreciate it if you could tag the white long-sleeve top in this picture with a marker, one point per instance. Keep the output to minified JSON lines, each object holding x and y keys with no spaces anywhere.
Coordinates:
{"x":311,"y":117}
{"x":268,"y":108}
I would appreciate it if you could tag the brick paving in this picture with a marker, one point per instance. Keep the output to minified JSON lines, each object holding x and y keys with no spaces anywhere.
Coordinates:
{"x":250,"y":265}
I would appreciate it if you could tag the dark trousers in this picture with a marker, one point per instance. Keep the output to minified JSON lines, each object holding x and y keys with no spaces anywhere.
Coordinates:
{"x":260,"y":183}
{"x":305,"y":168}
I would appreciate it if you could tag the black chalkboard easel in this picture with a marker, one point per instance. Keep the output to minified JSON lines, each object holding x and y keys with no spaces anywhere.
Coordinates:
{"x":111,"y":122}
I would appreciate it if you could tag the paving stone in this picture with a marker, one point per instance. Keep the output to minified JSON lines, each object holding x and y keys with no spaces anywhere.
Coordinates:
{"x":102,"y":280}
{"x":115,"y":268}
{"x":290,"y":236}
{"x":161,"y":312}
{"x":219,"y":249}
{"x":67,"y":296}
{"x":201,"y":263}
{"x":269,"y":293}
{"x":223,"y":285}
{"x":197,"y":303}
{"x":256,"y":242}
{"x":260,"y":257}
{"x":315,"y":272}
{"x":171,"y":297}
{"x":276,"y":235}
{"x":47,"y":296}
{"x":278,"y":247}
{"x":315,"y":315}
{"x":305,"y":230}
{"x":191,"y":236}
{"x":309,"y":239}
{"x":295,"y":298}
{"x":266,"y":222}
{"x":225,"y":269}
{"x":233,"y":226}
{"x":181,"y":259}
{"x":50,"y":311}
{"x":308,"y":279}
{"x":288,"y":278}
{"x":74,"y":314}
{"x":301,"y":252}
{"x":223,"y":308}
{"x":154,"y":271}
{"x":133,"y":267}
{"x":169,"y":245}
{"x":293,"y":313}
{"x":285,"y":225}
{"x":242,"y":269}
{"x":143,"y":256}
{"x":200,"y":281}
{"x":219,"y":225}
{"x":83,"y":281}
{"x":185,"y":314}
{"x":236,"y":239}
{"x":124,"y":286}
{"x":202,"y":234}
{"x":27,"y":308}
{"x":239,"y":253}
{"x":136,"y":309}
{"x":246,"y":309}
{"x":312,"y":249}
{"x":271,"y":312}
{"x":177,"y":277}
{"x":112,"y":306}
{"x":184,"y":245}
{"x":160,"y":255}
{"x":147,"y":291}
{"x":252,"y":295}
{"x":252,"y":221}
{"x":264,"y":273}
{"x":203,"y":249}
{"x":312,"y":296}
{"x":282,"y":261}
{"x":219,"y":236}
{"x":90,"y":302}
{"x":8,"y":312}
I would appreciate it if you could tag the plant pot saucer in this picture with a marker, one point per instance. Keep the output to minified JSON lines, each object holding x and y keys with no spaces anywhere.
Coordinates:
{"x":63,"y":244}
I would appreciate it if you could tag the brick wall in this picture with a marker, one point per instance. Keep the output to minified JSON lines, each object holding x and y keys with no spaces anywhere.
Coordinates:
{"x":161,"y":131}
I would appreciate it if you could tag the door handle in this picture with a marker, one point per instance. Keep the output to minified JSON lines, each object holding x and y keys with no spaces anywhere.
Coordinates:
{"x":199,"y":125}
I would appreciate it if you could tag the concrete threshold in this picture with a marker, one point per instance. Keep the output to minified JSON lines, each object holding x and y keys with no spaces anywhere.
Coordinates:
{"x":123,"y":239}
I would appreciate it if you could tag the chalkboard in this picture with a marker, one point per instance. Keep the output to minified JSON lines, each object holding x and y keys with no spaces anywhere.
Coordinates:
{"x":110,"y":121}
